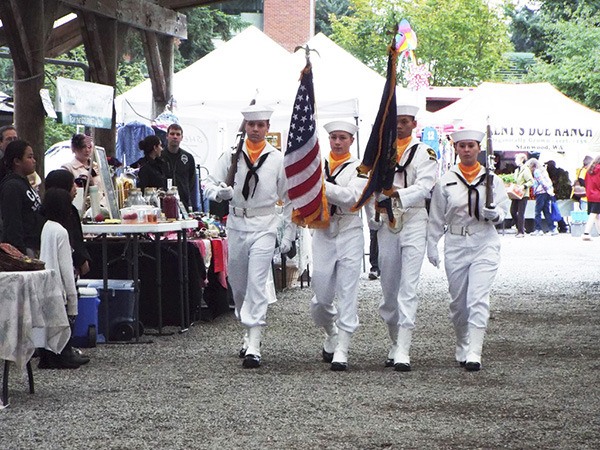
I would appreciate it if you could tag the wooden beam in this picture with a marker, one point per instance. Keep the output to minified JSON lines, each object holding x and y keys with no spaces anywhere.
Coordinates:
{"x":138,"y":13}
{"x":63,"y":39}
{"x":17,"y":38}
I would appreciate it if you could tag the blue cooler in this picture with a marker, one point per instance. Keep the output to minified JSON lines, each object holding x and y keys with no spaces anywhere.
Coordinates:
{"x":121,"y":309}
{"x":85,"y":331}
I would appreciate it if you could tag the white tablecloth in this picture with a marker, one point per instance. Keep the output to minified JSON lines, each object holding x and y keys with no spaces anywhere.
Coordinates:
{"x":32,"y":314}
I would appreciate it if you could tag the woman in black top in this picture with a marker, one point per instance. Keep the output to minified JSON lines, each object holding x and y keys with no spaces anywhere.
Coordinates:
{"x":19,"y":202}
{"x":63,"y":179}
{"x":152,"y":171}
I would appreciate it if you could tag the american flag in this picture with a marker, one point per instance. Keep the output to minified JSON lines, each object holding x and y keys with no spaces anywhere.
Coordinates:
{"x":302,"y":159}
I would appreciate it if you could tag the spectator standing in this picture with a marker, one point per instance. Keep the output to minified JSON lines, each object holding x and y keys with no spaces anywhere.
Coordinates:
{"x":524,"y":179}
{"x":56,"y":252}
{"x":472,"y":244}
{"x":8,"y":133}
{"x":562,"y":189}
{"x":592,"y":192}
{"x":19,"y":201}
{"x":544,"y":192}
{"x":180,"y":167}
{"x":580,"y":198}
{"x":152,"y":167}
{"x":82,"y":168}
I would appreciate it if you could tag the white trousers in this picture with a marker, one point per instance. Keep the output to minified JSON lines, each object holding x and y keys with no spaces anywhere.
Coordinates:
{"x":400,"y":260}
{"x":471,"y":264}
{"x":336,"y":271}
{"x":249,"y":262}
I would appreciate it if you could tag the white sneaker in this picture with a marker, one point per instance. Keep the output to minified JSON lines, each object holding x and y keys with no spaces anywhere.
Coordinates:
{"x":554,"y":232}
{"x":537,"y":233}
{"x":586,"y":237}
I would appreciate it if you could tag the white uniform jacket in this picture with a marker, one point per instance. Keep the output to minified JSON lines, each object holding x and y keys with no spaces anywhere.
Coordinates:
{"x":420,"y":175}
{"x":343,"y":194}
{"x":255,"y":213}
{"x":450,"y":207}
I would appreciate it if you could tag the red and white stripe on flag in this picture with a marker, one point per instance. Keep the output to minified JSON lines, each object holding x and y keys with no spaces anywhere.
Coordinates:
{"x":302,"y":160}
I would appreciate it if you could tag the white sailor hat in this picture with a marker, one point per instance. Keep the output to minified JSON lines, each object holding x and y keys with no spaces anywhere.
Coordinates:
{"x":340,"y":125}
{"x":407,"y":110}
{"x":467,"y":135}
{"x":257,"y":112}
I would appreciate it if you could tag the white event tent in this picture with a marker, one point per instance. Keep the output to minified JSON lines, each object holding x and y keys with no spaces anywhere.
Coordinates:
{"x":533,"y":118}
{"x":210,"y":93}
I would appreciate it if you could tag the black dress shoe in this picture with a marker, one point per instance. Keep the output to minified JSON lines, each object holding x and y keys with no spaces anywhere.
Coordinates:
{"x":79,"y":357}
{"x":49,"y":360}
{"x":339,"y":366}
{"x":389,"y":362}
{"x":402,"y":367}
{"x":472,"y":366}
{"x":251,"y":362}
{"x":327,"y":357}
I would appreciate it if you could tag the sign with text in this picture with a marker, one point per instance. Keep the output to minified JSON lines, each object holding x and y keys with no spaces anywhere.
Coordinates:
{"x":84,"y":103}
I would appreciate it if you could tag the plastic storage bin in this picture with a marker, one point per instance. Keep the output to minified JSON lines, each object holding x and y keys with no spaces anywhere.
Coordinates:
{"x":85,"y":331}
{"x":121,"y":309}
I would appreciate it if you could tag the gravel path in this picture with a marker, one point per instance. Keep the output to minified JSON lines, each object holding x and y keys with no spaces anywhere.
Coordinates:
{"x":539,"y":387}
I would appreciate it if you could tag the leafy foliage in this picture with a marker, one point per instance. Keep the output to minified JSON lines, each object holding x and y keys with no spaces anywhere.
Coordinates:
{"x":461,"y":41}
{"x":571,"y":60}
{"x":326,"y":8}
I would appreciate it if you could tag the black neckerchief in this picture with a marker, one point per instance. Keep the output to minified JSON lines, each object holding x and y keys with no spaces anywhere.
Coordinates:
{"x":331,"y":179}
{"x":472,"y":190}
{"x":402,"y":168}
{"x":252,"y":173}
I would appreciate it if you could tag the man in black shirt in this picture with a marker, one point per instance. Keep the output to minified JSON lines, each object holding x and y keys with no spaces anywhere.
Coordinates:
{"x":179,"y":164}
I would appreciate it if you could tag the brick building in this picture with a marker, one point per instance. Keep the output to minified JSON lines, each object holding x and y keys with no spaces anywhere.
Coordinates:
{"x":289,"y":22}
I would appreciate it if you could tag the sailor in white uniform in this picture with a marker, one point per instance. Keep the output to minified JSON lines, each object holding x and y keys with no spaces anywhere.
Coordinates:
{"x":472,"y":245}
{"x":338,"y":249}
{"x":402,"y":242}
{"x":259,"y":184}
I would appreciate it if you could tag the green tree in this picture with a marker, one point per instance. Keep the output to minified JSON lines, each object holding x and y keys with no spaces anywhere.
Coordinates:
{"x":461,"y":41}
{"x":326,"y":8}
{"x":572,"y":59}
{"x":203,"y":25}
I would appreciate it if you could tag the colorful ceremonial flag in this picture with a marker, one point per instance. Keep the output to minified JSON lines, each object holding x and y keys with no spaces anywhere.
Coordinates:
{"x":379,"y":160}
{"x":302,"y":159}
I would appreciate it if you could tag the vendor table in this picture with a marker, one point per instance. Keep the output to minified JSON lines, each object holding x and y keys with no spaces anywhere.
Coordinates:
{"x":33,"y":315}
{"x":133,"y":232}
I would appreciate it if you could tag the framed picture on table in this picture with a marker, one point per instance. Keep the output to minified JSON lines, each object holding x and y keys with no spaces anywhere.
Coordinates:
{"x":109,"y":187}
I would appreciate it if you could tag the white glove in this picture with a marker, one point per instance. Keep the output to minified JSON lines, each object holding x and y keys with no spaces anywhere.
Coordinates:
{"x":434,"y":258}
{"x":285,"y":246}
{"x":225,"y":192}
{"x":490,"y":214}
{"x":373,"y":225}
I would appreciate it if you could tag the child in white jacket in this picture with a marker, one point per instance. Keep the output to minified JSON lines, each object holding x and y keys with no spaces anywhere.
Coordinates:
{"x":56,"y":252}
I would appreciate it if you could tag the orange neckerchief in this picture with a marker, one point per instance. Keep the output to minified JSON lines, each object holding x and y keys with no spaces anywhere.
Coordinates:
{"x":401,"y":145}
{"x":469,"y":172}
{"x":254,"y":150}
{"x":335,"y":161}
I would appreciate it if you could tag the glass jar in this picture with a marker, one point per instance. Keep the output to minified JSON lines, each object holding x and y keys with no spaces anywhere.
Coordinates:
{"x":151,"y":197}
{"x":135,"y":197}
{"x":170,"y":205}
